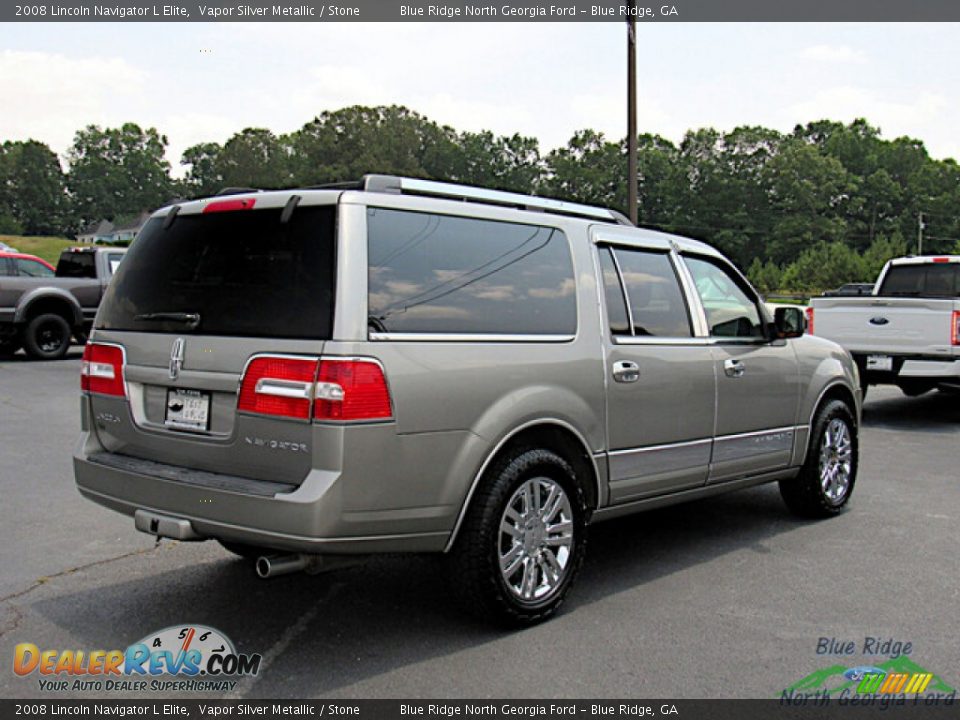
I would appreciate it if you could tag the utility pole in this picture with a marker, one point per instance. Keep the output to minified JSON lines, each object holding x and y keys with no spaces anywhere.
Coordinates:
{"x":632,"y":110}
{"x":920,"y":227}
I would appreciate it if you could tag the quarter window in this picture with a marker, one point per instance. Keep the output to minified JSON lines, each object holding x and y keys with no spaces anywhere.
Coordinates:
{"x":656,"y":304}
{"x":444,"y":274}
{"x":730,"y":309}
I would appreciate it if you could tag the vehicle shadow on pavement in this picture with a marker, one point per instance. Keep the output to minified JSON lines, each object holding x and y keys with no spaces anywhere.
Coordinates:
{"x":320,"y":635}
{"x":932,"y":411}
{"x":74,"y":353}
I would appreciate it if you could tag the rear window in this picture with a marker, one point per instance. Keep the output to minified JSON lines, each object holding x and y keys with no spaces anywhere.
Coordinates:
{"x":243,"y":273}
{"x":77,"y":265}
{"x":926,"y":280}
{"x":453,"y":275}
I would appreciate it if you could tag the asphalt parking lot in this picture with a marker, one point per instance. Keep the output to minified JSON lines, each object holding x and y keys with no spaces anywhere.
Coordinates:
{"x":726,"y":597}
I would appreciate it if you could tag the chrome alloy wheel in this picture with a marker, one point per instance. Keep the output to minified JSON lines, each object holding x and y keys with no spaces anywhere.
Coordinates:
{"x":836,"y":460}
{"x":536,"y":539}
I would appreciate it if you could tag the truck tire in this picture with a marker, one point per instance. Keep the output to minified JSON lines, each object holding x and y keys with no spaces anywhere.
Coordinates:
{"x":523,"y":539}
{"x":47,"y":337}
{"x":826,"y":480}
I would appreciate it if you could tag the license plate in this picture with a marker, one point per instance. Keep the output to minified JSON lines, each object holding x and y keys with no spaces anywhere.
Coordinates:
{"x":188,"y":409}
{"x":879,"y":362}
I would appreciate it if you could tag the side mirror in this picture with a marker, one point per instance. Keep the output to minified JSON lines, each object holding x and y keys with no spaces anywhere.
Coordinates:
{"x":789,"y":322}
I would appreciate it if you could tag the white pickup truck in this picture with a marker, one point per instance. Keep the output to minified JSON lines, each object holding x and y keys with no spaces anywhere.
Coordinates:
{"x":907,"y":333}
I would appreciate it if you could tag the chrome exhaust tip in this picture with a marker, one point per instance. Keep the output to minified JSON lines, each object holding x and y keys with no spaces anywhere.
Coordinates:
{"x":269,"y":566}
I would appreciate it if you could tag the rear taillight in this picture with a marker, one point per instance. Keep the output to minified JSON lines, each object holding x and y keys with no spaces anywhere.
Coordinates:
{"x":351,"y":390}
{"x":318,"y":389}
{"x":101,"y":370}
{"x":281,"y":386}
{"x":955,"y":328}
{"x":810,"y":320}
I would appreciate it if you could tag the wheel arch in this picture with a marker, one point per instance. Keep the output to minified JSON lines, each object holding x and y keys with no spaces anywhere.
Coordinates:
{"x":49,"y":300}
{"x":549,"y":434}
{"x":837,"y":390}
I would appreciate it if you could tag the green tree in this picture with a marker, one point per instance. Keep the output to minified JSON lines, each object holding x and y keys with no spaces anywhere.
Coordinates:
{"x":346,"y":144}
{"x":254,"y":157}
{"x":203,"y":174}
{"x":118,"y":171}
{"x":883,"y":248}
{"x":510,"y":163}
{"x":823,"y":266}
{"x":32,"y":188}
{"x":590,"y":169}
{"x":765,"y":276}
{"x":808,"y":191}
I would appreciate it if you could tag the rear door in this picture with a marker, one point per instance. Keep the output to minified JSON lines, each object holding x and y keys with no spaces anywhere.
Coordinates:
{"x":660,"y":377}
{"x":193,"y":306}
{"x":758,"y":382}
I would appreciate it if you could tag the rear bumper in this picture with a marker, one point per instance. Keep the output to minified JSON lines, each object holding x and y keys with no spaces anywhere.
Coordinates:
{"x":310,"y":518}
{"x":911,"y":367}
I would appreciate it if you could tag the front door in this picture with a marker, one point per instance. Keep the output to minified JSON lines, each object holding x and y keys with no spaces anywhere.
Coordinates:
{"x":758,"y":383}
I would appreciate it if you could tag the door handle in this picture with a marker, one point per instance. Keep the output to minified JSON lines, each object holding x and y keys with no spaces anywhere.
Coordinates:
{"x":733,"y":368}
{"x":625,"y":371}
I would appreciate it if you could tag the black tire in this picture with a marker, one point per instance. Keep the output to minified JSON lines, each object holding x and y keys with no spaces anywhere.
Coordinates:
{"x":247,"y":552}
{"x":476,"y":556}
{"x":47,"y":337}
{"x":805,"y":494}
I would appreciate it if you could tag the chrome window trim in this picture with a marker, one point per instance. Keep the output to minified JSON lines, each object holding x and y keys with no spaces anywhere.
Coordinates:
{"x":467,"y":337}
{"x":623,"y":289}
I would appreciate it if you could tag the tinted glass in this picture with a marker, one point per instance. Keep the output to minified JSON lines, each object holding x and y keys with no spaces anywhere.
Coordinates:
{"x":613,"y":291}
{"x":731,"y":311}
{"x":31,"y":268}
{"x":6,"y":267}
{"x":443,"y":274}
{"x":653,"y":291}
{"x":245,"y":273}
{"x":77,"y":265}
{"x":930,"y":280}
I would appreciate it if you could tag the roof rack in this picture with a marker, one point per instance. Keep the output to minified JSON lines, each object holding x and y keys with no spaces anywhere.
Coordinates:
{"x":469,"y":193}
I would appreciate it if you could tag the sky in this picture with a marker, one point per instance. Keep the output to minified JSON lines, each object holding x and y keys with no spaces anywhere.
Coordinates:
{"x":198,"y":82}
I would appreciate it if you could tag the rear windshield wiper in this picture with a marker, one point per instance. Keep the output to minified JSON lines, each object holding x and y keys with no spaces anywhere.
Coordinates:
{"x":191,"y":319}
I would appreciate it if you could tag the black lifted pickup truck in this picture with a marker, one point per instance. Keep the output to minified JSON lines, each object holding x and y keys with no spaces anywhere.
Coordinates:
{"x":41,"y":314}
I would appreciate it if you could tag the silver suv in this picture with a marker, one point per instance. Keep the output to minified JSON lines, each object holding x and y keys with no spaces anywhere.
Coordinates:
{"x":410,"y":366}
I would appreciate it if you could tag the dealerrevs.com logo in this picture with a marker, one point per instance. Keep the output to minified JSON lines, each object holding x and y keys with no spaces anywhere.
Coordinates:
{"x":183,"y":658}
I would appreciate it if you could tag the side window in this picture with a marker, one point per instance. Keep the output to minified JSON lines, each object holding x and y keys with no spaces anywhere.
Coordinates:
{"x":6,"y":267}
{"x":31,"y":268}
{"x":730,"y":310}
{"x":613,"y":292}
{"x":657,"y":306}
{"x":443,"y":274}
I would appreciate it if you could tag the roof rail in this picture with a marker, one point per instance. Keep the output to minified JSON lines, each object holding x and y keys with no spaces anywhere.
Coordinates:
{"x":469,"y":193}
